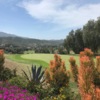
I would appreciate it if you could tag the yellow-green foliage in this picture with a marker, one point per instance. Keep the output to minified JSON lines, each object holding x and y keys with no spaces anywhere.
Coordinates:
{"x":61,"y":96}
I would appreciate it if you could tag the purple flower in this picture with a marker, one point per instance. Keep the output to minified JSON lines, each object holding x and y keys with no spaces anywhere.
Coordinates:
{"x":5,"y":97}
{"x":1,"y":96}
{"x":35,"y":98}
{"x":9,"y":92}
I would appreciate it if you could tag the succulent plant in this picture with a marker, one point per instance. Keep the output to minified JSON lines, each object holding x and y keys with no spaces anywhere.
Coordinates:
{"x":36,"y":74}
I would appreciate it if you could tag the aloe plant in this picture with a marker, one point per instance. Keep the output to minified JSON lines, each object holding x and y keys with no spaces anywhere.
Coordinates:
{"x":36,"y":74}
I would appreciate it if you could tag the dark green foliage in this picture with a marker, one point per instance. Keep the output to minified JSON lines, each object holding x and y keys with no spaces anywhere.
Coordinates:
{"x":18,"y":45}
{"x":35,"y":80}
{"x":74,"y":41}
{"x":19,"y":81}
{"x":36,"y":74}
{"x":97,"y":79}
{"x":6,"y":74}
{"x":69,"y":42}
{"x":87,"y":37}
{"x":65,"y":94}
{"x":33,"y":88}
{"x":62,"y":50}
{"x":79,"y":43}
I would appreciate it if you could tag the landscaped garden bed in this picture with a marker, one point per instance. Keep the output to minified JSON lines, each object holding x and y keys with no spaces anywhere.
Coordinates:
{"x":55,"y":82}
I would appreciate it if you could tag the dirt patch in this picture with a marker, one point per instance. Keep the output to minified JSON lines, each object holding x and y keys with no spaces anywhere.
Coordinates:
{"x":12,"y":65}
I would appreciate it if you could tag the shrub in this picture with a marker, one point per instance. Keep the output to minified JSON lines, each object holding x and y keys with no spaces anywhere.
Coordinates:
{"x":35,"y":80}
{"x":5,"y":73}
{"x":19,"y":81}
{"x":57,"y":75}
{"x":86,"y":77}
{"x":1,"y":60}
{"x":64,"y":94}
{"x":74,"y":68}
{"x":36,"y":75}
{"x":87,"y":52}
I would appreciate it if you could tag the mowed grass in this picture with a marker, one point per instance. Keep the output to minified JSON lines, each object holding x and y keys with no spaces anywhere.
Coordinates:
{"x":40,"y":59}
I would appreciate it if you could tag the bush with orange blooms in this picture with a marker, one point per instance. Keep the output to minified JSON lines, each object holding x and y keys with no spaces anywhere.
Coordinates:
{"x":5,"y":73}
{"x":57,"y":75}
{"x":1,"y":60}
{"x":86,"y":74}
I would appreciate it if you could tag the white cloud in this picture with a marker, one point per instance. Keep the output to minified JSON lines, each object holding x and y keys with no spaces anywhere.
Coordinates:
{"x":61,"y":12}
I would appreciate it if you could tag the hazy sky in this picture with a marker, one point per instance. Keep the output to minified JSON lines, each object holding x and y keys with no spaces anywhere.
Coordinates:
{"x":46,"y":19}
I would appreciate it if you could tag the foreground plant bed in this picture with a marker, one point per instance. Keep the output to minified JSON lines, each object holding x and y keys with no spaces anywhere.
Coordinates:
{"x":8,"y":92}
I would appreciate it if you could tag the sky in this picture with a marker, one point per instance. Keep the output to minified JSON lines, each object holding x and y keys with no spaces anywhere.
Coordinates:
{"x":46,"y":19}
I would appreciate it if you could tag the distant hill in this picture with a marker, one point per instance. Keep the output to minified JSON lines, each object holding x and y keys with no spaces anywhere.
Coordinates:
{"x":3,"y":34}
{"x":6,"y":38}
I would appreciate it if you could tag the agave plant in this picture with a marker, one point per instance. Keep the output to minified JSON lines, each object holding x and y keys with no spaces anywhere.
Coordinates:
{"x":36,"y":74}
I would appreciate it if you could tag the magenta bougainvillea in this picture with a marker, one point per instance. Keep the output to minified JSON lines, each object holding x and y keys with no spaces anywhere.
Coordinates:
{"x":8,"y":92}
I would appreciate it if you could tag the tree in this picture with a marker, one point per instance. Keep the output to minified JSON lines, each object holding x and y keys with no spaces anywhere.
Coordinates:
{"x":89,"y":36}
{"x":79,"y":43}
{"x":74,"y":41}
{"x":69,"y":42}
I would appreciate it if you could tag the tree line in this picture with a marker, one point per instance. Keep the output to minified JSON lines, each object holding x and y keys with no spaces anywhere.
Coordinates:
{"x":86,"y":37}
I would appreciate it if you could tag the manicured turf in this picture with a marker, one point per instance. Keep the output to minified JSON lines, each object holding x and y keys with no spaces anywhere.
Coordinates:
{"x":40,"y":59}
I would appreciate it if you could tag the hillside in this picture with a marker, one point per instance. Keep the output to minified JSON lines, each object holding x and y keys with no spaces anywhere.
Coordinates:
{"x":13,"y":39}
{"x":3,"y":34}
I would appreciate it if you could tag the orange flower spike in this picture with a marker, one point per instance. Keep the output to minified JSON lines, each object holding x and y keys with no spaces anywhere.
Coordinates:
{"x":1,"y":52}
{"x":87,"y":97}
{"x":82,"y":54}
{"x":88,"y":52}
{"x":98,"y":93}
{"x":84,"y":60}
{"x":51,"y":64}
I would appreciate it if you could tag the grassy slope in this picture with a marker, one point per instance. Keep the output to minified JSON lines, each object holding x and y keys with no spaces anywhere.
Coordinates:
{"x":40,"y":59}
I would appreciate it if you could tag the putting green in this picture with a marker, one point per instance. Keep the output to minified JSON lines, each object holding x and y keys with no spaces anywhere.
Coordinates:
{"x":47,"y":57}
{"x":40,"y":59}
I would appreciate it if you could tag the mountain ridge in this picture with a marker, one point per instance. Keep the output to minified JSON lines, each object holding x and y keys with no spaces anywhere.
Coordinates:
{"x":4,"y":34}
{"x":6,"y":38}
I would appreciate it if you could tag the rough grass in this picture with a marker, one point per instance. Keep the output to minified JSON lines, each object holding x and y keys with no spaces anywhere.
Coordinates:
{"x":40,"y":59}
